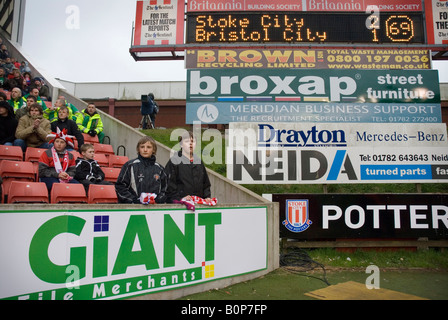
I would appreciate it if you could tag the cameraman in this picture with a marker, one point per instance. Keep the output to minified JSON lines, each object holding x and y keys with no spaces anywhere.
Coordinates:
{"x":149,"y":107}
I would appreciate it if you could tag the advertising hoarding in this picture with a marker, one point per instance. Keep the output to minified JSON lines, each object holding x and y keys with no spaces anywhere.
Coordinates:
{"x":330,"y":165}
{"x":289,"y":135}
{"x":304,"y":5}
{"x":231,"y":95}
{"x":159,"y":22}
{"x":362,"y":216}
{"x":436,"y":13}
{"x":307,"y":59}
{"x":111,"y":254}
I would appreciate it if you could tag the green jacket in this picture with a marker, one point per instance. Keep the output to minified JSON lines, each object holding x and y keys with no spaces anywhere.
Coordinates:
{"x":52,"y":114}
{"x":17,"y":104}
{"x":87,"y":122}
{"x":74,"y":112}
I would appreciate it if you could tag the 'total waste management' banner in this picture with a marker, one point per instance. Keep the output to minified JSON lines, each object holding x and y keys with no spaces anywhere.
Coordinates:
{"x":292,"y":95}
{"x":88,"y":255}
{"x":307,"y":59}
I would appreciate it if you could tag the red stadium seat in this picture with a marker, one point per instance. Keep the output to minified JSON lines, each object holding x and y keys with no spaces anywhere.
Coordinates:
{"x":33,"y":155}
{"x":68,"y":193}
{"x":102,"y":159}
{"x":111,"y":174}
{"x":11,"y":153}
{"x":76,"y":154}
{"x":27,"y":192}
{"x":16,"y":171}
{"x":102,"y":194}
{"x":76,"y":144}
{"x":89,"y":139}
{"x":103,"y":148}
{"x":117,"y":161}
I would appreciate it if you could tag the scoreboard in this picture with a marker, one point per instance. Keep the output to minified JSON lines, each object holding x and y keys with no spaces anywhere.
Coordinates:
{"x":164,"y":29}
{"x":305,"y":27}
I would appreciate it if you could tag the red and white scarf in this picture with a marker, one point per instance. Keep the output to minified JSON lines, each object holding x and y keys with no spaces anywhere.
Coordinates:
{"x":191,"y":204}
{"x":57,"y":163}
{"x":148,"y":198}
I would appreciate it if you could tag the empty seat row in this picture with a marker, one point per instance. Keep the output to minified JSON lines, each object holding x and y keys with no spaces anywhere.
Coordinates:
{"x":15,"y":153}
{"x":36,"y":192}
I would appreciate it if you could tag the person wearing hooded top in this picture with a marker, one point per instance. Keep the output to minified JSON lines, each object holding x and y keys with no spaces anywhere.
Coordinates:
{"x":142,"y":180}
{"x":44,"y":91}
{"x":8,"y":124}
{"x":57,"y":165}
{"x":63,"y":122}
{"x":88,"y":171}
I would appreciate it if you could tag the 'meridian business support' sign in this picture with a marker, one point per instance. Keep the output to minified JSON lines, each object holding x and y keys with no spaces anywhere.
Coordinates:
{"x":292,"y":95}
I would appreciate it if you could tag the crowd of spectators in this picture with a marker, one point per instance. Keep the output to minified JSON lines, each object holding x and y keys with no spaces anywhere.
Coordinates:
{"x":36,"y":114}
{"x":29,"y":118}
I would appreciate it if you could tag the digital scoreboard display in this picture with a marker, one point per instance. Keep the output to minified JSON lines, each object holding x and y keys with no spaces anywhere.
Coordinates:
{"x":305,"y":27}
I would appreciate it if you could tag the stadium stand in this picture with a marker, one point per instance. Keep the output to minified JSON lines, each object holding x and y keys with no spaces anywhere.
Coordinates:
{"x":121,"y":135}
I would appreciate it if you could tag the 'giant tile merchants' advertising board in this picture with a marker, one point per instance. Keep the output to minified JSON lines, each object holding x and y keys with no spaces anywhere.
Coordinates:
{"x":104,"y":254}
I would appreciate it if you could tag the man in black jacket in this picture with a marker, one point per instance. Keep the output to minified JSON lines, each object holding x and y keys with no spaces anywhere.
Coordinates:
{"x":64,"y":122}
{"x":8,"y":124}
